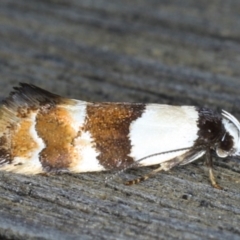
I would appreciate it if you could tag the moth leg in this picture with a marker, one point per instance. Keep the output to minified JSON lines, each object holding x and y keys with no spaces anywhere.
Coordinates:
{"x":143,"y":178}
{"x":44,"y":174}
{"x":210,"y":170}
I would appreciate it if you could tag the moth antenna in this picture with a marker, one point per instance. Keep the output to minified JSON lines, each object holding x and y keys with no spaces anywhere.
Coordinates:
{"x":108,"y":179}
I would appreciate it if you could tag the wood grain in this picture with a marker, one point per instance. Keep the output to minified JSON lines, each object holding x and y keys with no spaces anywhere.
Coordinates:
{"x":175,"y":52}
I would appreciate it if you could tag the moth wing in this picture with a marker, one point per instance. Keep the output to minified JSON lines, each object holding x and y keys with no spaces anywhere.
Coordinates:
{"x":19,"y":109}
{"x":163,"y":128}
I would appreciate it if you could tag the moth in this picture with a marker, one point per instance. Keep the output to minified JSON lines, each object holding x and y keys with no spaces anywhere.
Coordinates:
{"x":41,"y":132}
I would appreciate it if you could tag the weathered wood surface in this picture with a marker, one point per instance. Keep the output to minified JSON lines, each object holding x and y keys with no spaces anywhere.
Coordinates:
{"x":176,"y":52}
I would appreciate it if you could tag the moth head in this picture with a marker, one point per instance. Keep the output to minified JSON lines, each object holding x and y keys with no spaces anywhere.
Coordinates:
{"x":230,"y":142}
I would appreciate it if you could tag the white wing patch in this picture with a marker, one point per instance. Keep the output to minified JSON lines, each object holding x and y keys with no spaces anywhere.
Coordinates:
{"x":86,"y":153}
{"x":163,"y":128}
{"x":78,"y":113}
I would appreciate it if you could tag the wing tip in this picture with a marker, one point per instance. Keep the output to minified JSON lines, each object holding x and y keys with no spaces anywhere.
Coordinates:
{"x":30,"y":95}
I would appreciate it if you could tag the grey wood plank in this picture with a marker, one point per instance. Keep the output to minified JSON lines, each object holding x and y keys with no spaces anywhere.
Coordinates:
{"x":170,"y":52}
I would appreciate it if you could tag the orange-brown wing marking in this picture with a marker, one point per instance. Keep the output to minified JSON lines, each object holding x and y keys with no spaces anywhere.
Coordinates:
{"x":22,"y":142}
{"x":15,"y":124}
{"x":54,"y":127}
{"x":109,"y":126}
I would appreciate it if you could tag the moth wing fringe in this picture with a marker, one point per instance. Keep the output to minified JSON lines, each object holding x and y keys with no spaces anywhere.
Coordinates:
{"x":28,"y":95}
